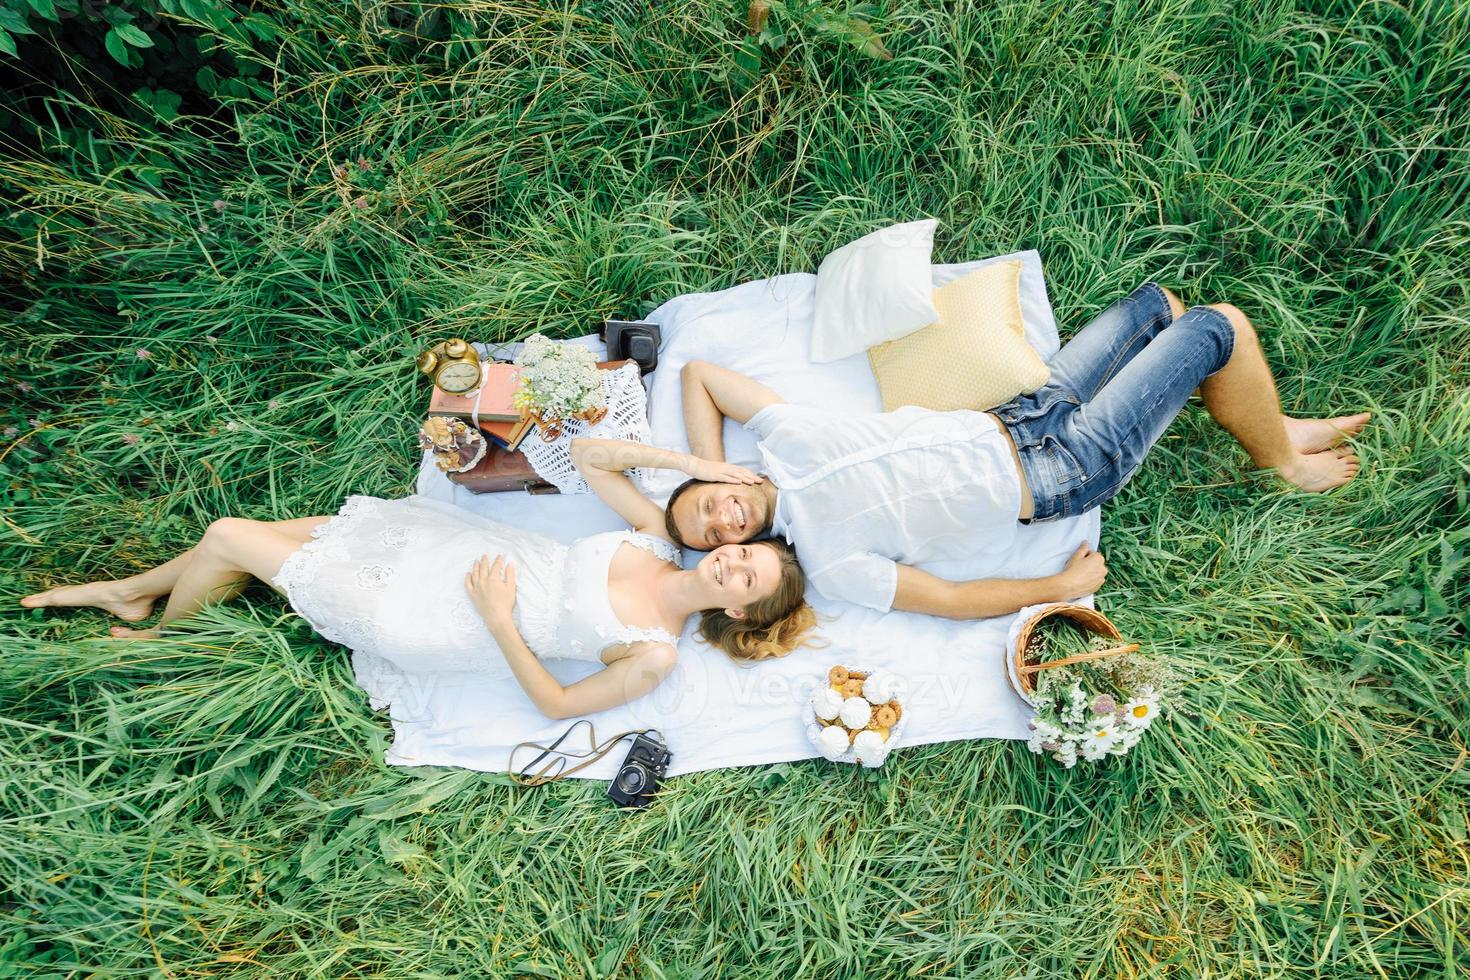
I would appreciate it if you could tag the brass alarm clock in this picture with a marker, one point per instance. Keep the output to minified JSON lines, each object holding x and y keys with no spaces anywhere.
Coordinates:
{"x":453,"y":364}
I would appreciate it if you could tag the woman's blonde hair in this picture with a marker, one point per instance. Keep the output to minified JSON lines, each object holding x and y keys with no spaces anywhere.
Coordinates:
{"x":773,"y":626}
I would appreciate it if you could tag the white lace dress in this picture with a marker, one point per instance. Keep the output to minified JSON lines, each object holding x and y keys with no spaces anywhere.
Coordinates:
{"x":386,"y":578}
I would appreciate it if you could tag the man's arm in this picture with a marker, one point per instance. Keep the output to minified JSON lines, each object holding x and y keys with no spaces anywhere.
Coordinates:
{"x":920,"y":592}
{"x":712,"y":394}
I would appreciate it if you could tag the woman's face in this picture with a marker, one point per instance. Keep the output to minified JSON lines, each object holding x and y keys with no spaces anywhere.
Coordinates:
{"x":741,"y":573}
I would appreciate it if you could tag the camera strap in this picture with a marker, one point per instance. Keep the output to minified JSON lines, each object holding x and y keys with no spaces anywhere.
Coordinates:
{"x":555,"y":768}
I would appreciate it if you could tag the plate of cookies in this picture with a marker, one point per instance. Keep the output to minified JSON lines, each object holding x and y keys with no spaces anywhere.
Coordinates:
{"x":856,"y":715}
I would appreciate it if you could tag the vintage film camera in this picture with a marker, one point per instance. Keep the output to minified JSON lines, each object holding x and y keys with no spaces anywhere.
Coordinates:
{"x":639,"y":776}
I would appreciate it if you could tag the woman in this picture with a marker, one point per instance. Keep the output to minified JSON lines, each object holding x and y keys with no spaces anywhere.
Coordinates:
{"x":410,"y":581}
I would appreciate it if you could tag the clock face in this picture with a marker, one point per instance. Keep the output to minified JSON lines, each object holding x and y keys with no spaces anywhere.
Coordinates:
{"x":458,"y":376}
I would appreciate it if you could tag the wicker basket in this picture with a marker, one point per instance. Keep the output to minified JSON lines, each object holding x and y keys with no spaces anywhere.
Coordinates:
{"x":1022,"y":666}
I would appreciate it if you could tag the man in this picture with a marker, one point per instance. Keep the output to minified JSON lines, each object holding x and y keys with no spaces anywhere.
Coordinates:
{"x":865,"y":498}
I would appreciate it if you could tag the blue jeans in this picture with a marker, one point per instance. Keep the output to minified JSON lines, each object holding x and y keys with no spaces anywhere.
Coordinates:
{"x":1114,"y":389}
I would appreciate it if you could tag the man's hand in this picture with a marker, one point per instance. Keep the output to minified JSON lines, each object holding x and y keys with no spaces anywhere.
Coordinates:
{"x":714,"y":471}
{"x":492,"y":588}
{"x":1084,"y":572}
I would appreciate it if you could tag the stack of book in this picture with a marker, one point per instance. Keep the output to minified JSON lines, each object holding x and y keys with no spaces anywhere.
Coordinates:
{"x":492,"y":406}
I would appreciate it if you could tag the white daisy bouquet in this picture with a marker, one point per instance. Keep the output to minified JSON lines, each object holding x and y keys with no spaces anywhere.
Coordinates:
{"x":1097,"y":708}
{"x":558,"y":381}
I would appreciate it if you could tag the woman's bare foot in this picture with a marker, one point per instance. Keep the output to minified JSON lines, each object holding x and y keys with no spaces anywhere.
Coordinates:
{"x":1320,"y":472}
{"x":109,"y":596}
{"x":1316,"y":435}
{"x":123,"y":633}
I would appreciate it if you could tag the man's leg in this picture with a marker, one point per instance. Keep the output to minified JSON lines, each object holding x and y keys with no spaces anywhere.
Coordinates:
{"x":1106,"y":344}
{"x":1242,"y":397}
{"x":1102,"y":443}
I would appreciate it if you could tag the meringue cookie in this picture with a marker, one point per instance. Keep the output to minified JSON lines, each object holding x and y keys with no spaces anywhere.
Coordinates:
{"x":870,"y":749}
{"x":832,"y":741}
{"x":856,"y":713}
{"x":881,"y":687}
{"x":826,"y":703}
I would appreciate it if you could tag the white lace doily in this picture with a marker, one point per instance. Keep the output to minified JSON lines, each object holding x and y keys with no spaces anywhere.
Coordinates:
{"x":626,"y":418}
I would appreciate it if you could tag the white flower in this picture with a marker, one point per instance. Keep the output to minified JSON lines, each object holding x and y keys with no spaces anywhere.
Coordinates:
{"x":1066,"y":755}
{"x":856,"y":713}
{"x":870,"y":748}
{"x":832,"y":741}
{"x":557,"y":379}
{"x":826,"y":703}
{"x":1101,"y":736}
{"x":1141,"y":711}
{"x":1127,"y":738}
{"x":1046,"y":730}
{"x":1076,"y":705}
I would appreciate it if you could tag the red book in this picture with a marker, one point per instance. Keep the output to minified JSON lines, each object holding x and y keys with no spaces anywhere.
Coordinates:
{"x":493,"y":402}
{"x":508,"y":434}
{"x":496,"y":398}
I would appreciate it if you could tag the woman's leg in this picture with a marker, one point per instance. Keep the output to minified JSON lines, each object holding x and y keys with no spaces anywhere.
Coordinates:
{"x":297,"y":529}
{"x":132,"y":598}
{"x":129,"y":598}
{"x":232,"y":551}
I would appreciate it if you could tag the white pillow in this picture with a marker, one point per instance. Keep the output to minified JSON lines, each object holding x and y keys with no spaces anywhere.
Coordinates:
{"x":873,"y":290}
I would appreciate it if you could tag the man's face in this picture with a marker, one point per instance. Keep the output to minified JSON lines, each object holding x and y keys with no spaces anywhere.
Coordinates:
{"x":712,"y":514}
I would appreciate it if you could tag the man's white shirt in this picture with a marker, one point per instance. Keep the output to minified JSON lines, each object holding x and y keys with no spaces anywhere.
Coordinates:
{"x":859,"y":494}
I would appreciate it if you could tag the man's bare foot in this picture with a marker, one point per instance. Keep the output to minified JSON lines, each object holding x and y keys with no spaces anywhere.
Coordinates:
{"x":107,"y":596}
{"x":1320,"y":472}
{"x":1316,"y":435}
{"x":123,"y":633}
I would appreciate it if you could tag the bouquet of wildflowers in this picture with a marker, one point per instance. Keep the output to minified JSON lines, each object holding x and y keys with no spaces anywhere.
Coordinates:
{"x":558,"y":381}
{"x":1098,"y":708}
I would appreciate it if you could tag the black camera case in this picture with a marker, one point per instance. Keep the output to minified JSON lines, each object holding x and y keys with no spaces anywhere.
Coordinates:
{"x":628,"y":340}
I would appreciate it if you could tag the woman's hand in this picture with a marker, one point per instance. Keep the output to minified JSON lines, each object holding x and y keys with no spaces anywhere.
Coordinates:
{"x":713,"y":471}
{"x":492,"y":588}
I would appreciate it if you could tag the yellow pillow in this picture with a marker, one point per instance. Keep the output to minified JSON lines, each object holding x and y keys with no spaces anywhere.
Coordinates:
{"x":974,"y":357}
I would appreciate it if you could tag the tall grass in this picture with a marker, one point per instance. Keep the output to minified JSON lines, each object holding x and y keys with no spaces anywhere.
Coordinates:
{"x":212,"y":324}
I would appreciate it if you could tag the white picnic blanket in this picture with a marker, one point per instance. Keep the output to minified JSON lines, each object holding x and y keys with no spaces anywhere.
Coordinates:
{"x":711,"y":711}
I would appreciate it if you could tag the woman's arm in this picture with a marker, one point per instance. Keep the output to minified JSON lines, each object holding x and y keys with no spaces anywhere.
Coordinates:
{"x":492,"y":586}
{"x":602,"y":462}
{"x":626,"y":679}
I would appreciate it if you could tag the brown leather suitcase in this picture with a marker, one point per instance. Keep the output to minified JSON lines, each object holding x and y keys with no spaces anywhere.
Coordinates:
{"x":501,"y":470}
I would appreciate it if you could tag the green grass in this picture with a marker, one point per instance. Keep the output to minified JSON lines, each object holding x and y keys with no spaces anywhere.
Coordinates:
{"x":217,"y":803}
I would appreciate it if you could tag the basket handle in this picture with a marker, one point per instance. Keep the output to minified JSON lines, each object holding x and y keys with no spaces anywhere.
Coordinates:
{"x":1080,"y":658}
